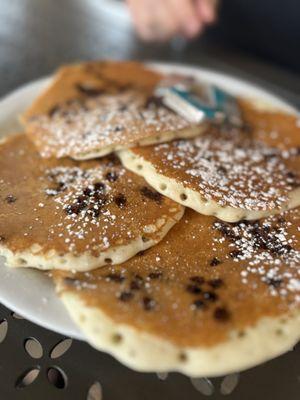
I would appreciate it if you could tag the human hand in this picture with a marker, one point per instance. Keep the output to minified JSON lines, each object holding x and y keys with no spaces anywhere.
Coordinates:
{"x":164,"y":19}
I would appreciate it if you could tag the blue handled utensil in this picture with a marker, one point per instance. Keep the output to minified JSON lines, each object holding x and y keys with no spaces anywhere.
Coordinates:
{"x":199,"y":102}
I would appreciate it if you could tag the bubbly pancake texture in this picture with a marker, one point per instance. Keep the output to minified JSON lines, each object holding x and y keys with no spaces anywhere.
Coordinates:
{"x":210,"y":298}
{"x":75,"y":215}
{"x":231,"y":173}
{"x":94,"y":108}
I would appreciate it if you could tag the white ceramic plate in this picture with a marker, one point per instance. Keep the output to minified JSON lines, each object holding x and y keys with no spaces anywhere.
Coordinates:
{"x":30,"y":293}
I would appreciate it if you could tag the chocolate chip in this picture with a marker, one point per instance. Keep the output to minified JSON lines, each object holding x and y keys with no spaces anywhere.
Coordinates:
{"x":216,"y":283}
{"x":194,"y":289}
{"x":53,"y":110}
{"x":270,"y":155}
{"x":197,"y":279}
{"x":70,"y":281}
{"x":274,"y":282}
{"x":210,"y":296}
{"x":118,"y":128}
{"x":95,"y":211}
{"x":214,"y":262}
{"x":89,"y":90}
{"x":199,"y":304}
{"x":236,"y":253}
{"x":111,"y":176}
{"x":115,"y":277}
{"x":10,"y":199}
{"x":82,"y":199}
{"x":155,"y":275}
{"x":266,"y":228}
{"x":154,"y":101}
{"x":74,"y":208}
{"x":263,"y":237}
{"x":148,"y":303}
{"x":291,"y":175}
{"x":151,"y":194}
{"x":136,"y":283}
{"x":280,"y":219}
{"x":60,"y":187}
{"x":283,"y":249}
{"x":112,"y":160}
{"x":2,"y":238}
{"x":125,"y":296}
{"x":222,"y":170}
{"x":139,"y":277}
{"x":225,"y":229}
{"x":221,"y":314}
{"x":120,"y":200}
{"x":101,"y":199}
{"x":99,"y":187}
{"x":87,"y":191}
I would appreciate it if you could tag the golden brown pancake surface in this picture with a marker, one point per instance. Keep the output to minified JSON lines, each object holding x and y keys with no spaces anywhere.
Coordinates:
{"x":275,"y":128}
{"x":86,"y":80}
{"x":75,"y":207}
{"x":253,"y":169}
{"x":94,"y":108}
{"x":203,"y":280}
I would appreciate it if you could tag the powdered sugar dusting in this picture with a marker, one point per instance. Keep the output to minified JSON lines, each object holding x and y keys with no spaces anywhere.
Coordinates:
{"x":61,"y":210}
{"x":82,"y":197}
{"x":102,"y":202}
{"x":269,"y":249}
{"x":119,"y":120}
{"x":228,"y":167}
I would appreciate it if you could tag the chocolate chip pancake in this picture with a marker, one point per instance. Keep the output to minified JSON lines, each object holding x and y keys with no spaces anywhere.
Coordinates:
{"x":95,"y":108}
{"x":231,"y":173}
{"x":209,"y":299}
{"x":75,"y":215}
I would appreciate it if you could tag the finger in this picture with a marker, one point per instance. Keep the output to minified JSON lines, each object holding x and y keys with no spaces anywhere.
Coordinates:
{"x":165,"y":21}
{"x":186,"y":16}
{"x":140,"y":16}
{"x":207,"y":10}
{"x":153,"y":19}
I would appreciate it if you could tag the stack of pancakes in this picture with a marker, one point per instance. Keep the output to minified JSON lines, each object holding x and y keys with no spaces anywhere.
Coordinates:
{"x":95,"y":190}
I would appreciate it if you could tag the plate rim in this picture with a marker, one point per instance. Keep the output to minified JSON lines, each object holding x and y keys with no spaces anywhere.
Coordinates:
{"x":6,"y":101}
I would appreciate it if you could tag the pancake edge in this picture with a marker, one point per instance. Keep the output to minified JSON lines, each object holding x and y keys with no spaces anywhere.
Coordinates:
{"x":144,"y":352}
{"x":186,"y":133}
{"x":84,"y":262}
{"x":176,"y":191}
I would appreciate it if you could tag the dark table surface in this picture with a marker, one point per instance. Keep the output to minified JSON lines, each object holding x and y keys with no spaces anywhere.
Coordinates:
{"x":36,"y":36}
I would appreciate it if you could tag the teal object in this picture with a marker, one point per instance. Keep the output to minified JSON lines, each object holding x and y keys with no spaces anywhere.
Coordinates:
{"x":215,"y":104}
